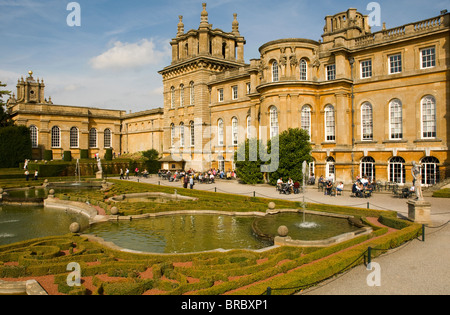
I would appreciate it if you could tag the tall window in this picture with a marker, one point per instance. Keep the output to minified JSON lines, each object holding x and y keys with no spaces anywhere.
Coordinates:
{"x":367,"y":121}
{"x":234,"y":91}
{"x":331,"y":72}
{"x":56,"y":137}
{"x":249,"y":126}
{"x":397,"y":170}
{"x":34,"y":136}
{"x":368,"y":167}
{"x":107,"y":139}
{"x":74,"y":143}
{"x":192,"y":91}
{"x":395,"y":64}
{"x":172,"y":97}
{"x":366,"y":69}
{"x":396,"y":120}
{"x":93,"y":138}
{"x":220,"y":132}
{"x":192,"y":127}
{"x":275,"y":77}
{"x":235,"y":128}
{"x":330,"y":124}
{"x":182,"y":95}
{"x":430,"y":171}
{"x":172,"y":135}
{"x":303,"y":70}
{"x":182,"y":135}
{"x":428,"y":117}
{"x":220,"y":95}
{"x":428,"y":56}
{"x":273,"y":122}
{"x":306,"y":119}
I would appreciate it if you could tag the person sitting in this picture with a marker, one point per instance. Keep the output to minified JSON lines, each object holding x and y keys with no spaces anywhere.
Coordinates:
{"x":280,"y":183}
{"x":312,"y":180}
{"x":328,"y":187}
{"x":340,"y":187}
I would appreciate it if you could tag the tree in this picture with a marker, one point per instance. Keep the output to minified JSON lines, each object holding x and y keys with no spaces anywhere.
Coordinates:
{"x":5,"y":119}
{"x":152,"y":162}
{"x":248,"y":162}
{"x":15,"y":146}
{"x":294,"y":148}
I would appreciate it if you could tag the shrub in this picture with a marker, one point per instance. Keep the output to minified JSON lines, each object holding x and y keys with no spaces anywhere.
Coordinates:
{"x":108,"y":155}
{"x":48,"y":155}
{"x":67,"y":157}
{"x":84,"y":154}
{"x":15,"y":146}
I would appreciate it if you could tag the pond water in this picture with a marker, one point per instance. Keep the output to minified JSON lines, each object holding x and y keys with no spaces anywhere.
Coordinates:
{"x":20,"y":223}
{"x":181,"y":233}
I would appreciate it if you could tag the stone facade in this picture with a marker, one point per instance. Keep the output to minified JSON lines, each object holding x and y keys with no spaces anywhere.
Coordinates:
{"x":372,"y":102}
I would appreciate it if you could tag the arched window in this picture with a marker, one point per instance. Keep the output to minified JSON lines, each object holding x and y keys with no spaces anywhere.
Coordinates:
{"x":235,"y":131}
{"x":428,"y":105}
{"x":172,"y":135}
{"x":397,"y":170}
{"x":56,"y":137}
{"x":107,"y":139}
{"x":192,"y":133}
{"x":306,"y":119}
{"x":172,"y":97}
{"x":367,"y":122}
{"x":182,"y":95}
{"x":182,"y":135}
{"x":275,"y":77}
{"x":330,"y":172}
{"x":303,"y":70}
{"x":368,"y":167}
{"x":93,"y":138}
{"x":273,"y":122}
{"x":395,"y":120}
{"x":221,"y":163}
{"x":192,"y":91}
{"x":330,"y":124}
{"x":74,"y":141}
{"x":34,"y":136}
{"x":220,"y":132}
{"x":430,"y":171}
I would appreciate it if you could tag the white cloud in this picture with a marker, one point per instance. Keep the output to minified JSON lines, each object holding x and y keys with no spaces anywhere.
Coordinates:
{"x":131,"y":55}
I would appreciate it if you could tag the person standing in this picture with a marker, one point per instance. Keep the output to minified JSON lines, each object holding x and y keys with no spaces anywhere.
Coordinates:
{"x":191,"y":182}
{"x":27,"y":175}
{"x":121,"y":174}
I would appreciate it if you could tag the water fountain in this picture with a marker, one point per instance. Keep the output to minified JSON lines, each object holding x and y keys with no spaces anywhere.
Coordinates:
{"x":77,"y":172}
{"x":304,"y":224}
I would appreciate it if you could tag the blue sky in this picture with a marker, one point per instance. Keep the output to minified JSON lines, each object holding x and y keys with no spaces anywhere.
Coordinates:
{"x":112,"y":59}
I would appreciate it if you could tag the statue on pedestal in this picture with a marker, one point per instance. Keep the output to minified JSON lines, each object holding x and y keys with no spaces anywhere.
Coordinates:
{"x":417,"y":181}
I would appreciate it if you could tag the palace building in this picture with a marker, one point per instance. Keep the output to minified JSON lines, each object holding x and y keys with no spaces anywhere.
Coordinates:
{"x":373,"y":103}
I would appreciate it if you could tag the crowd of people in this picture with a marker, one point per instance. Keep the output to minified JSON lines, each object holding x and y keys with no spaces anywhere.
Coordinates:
{"x":289,"y":187}
{"x":191,"y":177}
{"x":363,"y":187}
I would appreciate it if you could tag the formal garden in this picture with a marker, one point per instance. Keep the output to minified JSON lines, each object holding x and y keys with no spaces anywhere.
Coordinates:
{"x":109,"y":270}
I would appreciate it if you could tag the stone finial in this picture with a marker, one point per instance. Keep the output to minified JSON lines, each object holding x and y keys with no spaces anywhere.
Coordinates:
{"x":180,"y":26}
{"x":204,"y":17}
{"x":235,"y":25}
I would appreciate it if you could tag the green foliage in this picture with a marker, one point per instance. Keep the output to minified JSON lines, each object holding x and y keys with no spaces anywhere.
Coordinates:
{"x":248,"y":162}
{"x":5,"y":118}
{"x":67,"y":157}
{"x":48,"y":155}
{"x":108,"y":155}
{"x":152,"y":164}
{"x":294,"y":148}
{"x":443,"y":193}
{"x":15,"y":146}
{"x":84,"y":154}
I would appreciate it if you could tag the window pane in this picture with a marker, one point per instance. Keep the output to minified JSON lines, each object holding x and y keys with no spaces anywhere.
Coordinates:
{"x":330,"y":124}
{"x":396,"y":120}
{"x":395,"y":64}
{"x":429,"y":117}
{"x":367,"y":122}
{"x":428,"y":58}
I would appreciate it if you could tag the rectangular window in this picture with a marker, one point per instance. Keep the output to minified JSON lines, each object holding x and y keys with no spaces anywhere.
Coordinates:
{"x":331,"y":72}
{"x":428,"y":57}
{"x":249,"y":88}
{"x":395,"y":64}
{"x":220,"y":95}
{"x":235,"y":92}
{"x":366,"y":69}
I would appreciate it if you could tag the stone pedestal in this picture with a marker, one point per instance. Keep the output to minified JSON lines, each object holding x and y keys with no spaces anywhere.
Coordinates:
{"x":419,"y":211}
{"x":99,"y":175}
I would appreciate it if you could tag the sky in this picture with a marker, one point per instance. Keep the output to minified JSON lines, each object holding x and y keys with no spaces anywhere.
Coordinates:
{"x":112,"y":59}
